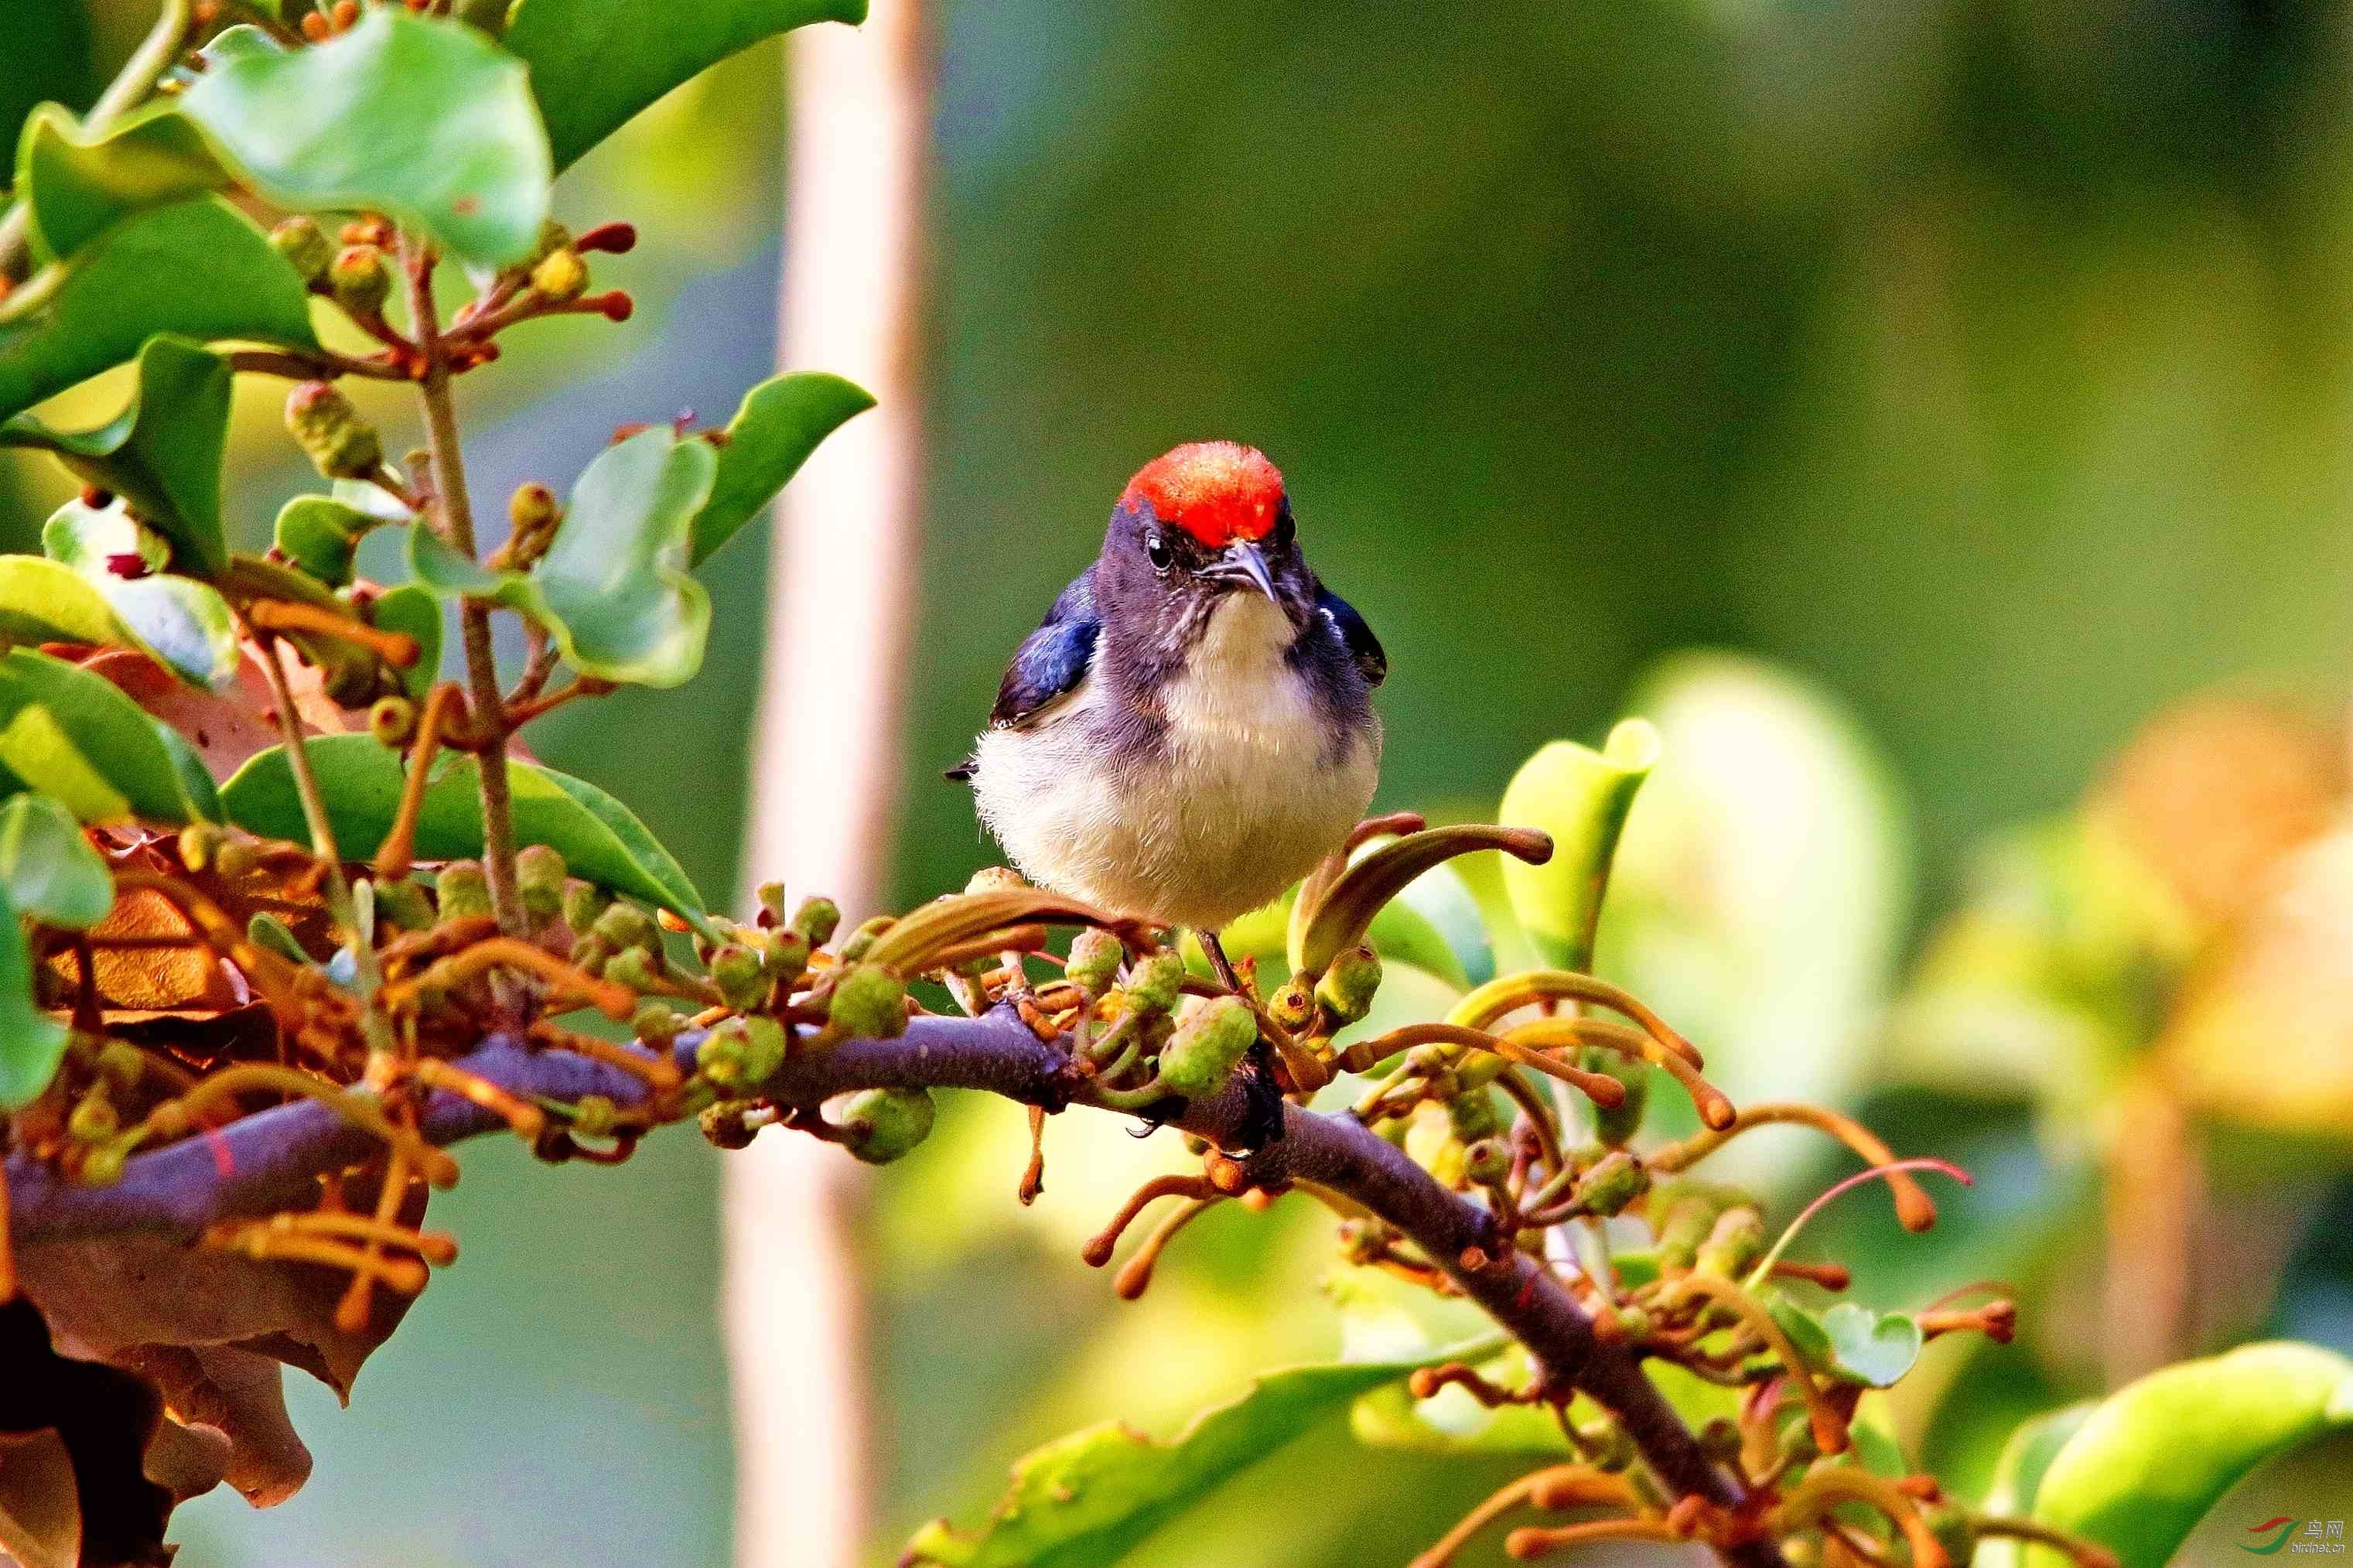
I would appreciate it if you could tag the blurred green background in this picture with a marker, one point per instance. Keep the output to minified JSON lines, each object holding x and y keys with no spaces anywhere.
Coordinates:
{"x":1985,"y":365}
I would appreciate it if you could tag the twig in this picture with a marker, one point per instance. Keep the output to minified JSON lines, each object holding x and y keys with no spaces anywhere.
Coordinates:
{"x":457,"y":529}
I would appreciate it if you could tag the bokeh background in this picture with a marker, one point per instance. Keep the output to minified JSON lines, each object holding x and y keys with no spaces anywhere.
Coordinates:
{"x":1971,"y":379}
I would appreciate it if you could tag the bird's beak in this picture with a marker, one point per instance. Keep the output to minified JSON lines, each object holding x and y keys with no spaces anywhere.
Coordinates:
{"x":1242,"y":562}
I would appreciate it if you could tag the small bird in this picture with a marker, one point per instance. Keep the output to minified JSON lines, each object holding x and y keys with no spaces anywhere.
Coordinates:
{"x":1192,"y":728}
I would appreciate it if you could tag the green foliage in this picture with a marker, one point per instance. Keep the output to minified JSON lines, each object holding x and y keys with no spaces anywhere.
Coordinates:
{"x":596,"y":63}
{"x":413,"y":609}
{"x":49,"y":869}
{"x":72,"y":735}
{"x":1085,"y":1500}
{"x":599,"y":837}
{"x":321,"y":535}
{"x":162,"y":453}
{"x":422,"y":119}
{"x":197,"y":269}
{"x":1580,"y":797}
{"x":613,"y":587}
{"x":779,"y":423}
{"x":76,"y":184}
{"x":32,"y":1043}
{"x":183,"y":624}
{"x":2146,"y":1466}
{"x":1874,"y":1348}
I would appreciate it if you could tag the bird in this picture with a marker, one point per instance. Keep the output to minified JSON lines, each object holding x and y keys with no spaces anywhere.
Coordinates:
{"x":1191,"y":728}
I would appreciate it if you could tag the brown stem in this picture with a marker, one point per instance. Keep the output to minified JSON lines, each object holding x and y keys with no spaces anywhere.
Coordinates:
{"x":454,"y":519}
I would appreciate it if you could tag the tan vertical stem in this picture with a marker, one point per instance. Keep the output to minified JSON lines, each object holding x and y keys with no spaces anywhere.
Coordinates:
{"x":825,"y":765}
{"x":2156,"y":1190}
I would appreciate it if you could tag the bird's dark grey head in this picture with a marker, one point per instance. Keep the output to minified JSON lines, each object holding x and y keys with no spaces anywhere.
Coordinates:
{"x":1205,"y":521}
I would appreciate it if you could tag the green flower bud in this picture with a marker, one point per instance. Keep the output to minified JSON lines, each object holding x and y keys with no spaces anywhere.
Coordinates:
{"x":306,"y":247}
{"x":655,"y":1023}
{"x":1156,"y":982}
{"x":1734,"y":1245}
{"x":740,"y":975}
{"x":1292,"y":1005}
{"x":771,"y":896}
{"x":403,"y":904}
{"x":626,"y":926}
{"x":1209,"y":1042}
{"x":122,"y":1064}
{"x":94,"y":1120}
{"x":1473,"y":1116}
{"x":635,"y":967}
{"x":101,"y":1165}
{"x":330,"y":433}
{"x":583,"y":902}
{"x":1616,"y":1125}
{"x":868,"y":1002}
{"x":553,"y":236}
{"x":393,"y":722}
{"x":723,"y":1124}
{"x":878,"y":1126}
{"x":861,"y":941}
{"x":1682,"y":1217}
{"x":740,"y":1051}
{"x":266,"y":931}
{"x":236,"y":857}
{"x":539,"y":878}
{"x":560,"y":276}
{"x":531,"y":509}
{"x":1094,"y":959}
{"x":785,"y":955}
{"x":592,"y":1116}
{"x":359,"y":281}
{"x":1616,"y":1180}
{"x":817,"y":919}
{"x":591,"y":953}
{"x":1347,"y":987}
{"x":200,"y":843}
{"x":1486,"y":1161}
{"x":464,"y":891}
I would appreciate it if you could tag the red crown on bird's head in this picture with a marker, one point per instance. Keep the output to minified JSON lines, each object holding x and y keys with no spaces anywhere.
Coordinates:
{"x":1217,"y":492}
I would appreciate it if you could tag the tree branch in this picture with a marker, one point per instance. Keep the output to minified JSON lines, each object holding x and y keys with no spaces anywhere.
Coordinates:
{"x":273,"y":1158}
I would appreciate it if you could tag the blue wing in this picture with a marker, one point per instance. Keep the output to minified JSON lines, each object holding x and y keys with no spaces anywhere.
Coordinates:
{"x":1354,"y":635}
{"x":1051,"y":662}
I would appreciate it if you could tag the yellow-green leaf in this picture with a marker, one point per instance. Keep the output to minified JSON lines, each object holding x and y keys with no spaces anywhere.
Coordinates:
{"x":600,"y":840}
{"x":1580,"y":797}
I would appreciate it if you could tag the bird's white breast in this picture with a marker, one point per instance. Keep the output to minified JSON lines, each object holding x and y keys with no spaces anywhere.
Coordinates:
{"x":1246,"y":793}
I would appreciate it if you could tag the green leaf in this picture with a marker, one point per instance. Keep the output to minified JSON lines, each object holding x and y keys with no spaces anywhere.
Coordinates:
{"x":161,"y":454}
{"x":598,"y":838}
{"x":196,"y":269}
{"x":1761,"y":892}
{"x":418,"y":117}
{"x":32,"y":1043}
{"x":1870,"y":1347}
{"x":1085,"y":1500}
{"x":320,"y":535}
{"x":48,"y":868}
{"x":415,"y":611}
{"x":69,"y":734}
{"x":780,"y":422}
{"x":613,"y":587}
{"x":2019,"y":1472}
{"x":180,"y":623}
{"x":1581,"y":798}
{"x":2156,"y":1455}
{"x":75,"y":185}
{"x":594,"y":63}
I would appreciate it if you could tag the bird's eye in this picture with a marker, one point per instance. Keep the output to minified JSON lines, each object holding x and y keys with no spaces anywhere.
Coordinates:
{"x":1281,"y":535}
{"x":1156,"y":551}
